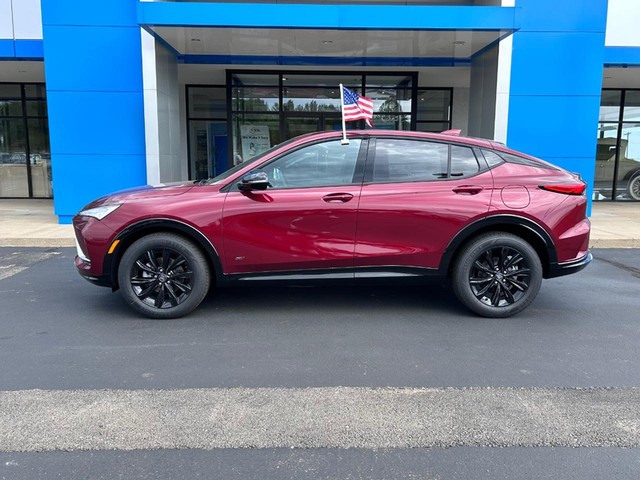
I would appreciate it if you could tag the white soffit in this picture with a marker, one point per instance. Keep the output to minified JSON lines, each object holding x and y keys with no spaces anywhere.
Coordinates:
{"x":329,"y":43}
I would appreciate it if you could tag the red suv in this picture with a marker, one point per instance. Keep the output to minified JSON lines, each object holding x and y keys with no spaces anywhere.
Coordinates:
{"x":387,"y":204}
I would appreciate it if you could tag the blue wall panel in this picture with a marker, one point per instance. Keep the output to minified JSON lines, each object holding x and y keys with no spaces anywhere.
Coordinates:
{"x":554,"y":126}
{"x":101,"y":123}
{"x":560,"y":67}
{"x":7,"y":49}
{"x":561,"y":15}
{"x":625,"y":56}
{"x":556,"y":81}
{"x":89,"y":12}
{"x":21,"y":49}
{"x":83,"y":171}
{"x":93,"y":67}
{"x":113,"y":70}
{"x":318,"y":15}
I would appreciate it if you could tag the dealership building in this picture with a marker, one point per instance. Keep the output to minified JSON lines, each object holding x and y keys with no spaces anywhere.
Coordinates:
{"x":102,"y":95}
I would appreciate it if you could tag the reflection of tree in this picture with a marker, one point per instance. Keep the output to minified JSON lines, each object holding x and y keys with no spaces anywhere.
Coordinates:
{"x":310,"y":106}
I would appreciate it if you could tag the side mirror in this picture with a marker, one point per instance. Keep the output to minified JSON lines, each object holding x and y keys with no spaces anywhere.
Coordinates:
{"x":255,"y":180}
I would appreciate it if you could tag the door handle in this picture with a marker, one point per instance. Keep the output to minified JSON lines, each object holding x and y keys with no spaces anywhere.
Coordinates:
{"x":337,"y":197}
{"x":468,"y":189}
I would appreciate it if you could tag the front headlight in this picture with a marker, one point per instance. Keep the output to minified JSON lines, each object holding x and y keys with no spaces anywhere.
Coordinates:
{"x":99,"y":212}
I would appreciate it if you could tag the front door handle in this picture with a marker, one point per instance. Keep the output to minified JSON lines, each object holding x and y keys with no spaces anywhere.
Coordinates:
{"x":337,"y":197}
{"x":468,"y":189}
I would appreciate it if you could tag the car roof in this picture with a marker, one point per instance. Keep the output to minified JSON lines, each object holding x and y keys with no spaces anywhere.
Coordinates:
{"x":479,"y":142}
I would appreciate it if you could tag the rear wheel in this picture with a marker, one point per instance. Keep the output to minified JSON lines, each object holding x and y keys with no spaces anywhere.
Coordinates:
{"x":163,"y":276}
{"x":497,"y":275}
{"x":633,"y":188}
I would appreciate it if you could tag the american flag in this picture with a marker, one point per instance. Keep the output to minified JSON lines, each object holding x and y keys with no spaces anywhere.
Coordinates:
{"x":356,"y":107}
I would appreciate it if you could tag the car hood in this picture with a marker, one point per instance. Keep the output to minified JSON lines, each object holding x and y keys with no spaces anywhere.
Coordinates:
{"x":148,"y":191}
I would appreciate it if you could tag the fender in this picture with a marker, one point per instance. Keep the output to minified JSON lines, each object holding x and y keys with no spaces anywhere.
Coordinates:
{"x":153,"y":225}
{"x":505,"y":222}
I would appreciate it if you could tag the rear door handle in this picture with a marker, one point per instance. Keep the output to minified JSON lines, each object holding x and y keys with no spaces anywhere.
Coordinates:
{"x":468,"y":189}
{"x":337,"y":197}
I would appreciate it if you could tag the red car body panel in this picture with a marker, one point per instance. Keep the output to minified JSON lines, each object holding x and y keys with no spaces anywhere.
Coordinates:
{"x":410,"y":224}
{"x":289,"y":229}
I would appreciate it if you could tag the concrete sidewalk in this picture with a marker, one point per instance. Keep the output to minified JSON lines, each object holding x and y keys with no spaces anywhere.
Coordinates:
{"x":32,"y":223}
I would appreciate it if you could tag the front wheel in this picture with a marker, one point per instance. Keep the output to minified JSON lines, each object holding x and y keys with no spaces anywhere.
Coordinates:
{"x":163,"y":275}
{"x":497,"y":275}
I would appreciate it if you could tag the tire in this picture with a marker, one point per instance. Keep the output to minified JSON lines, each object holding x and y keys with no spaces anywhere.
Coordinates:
{"x":163,"y":276}
{"x":633,"y":188}
{"x":496,"y":292}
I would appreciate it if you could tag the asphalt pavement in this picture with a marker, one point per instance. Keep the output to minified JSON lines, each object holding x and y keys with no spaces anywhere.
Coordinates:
{"x":327,"y":382}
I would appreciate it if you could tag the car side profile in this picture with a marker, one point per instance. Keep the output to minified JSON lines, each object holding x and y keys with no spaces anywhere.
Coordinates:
{"x":389,"y":204}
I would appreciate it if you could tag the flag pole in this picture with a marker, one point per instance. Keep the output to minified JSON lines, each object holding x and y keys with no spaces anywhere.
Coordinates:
{"x":345,"y":140}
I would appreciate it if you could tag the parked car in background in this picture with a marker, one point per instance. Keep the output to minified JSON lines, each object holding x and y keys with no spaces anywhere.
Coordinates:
{"x":390,"y":204}
{"x":628,"y":175}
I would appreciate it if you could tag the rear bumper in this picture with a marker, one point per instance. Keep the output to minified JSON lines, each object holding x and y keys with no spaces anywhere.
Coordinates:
{"x":574,"y":266}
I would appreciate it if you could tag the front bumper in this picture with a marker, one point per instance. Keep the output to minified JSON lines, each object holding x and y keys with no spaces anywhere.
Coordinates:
{"x":84,"y":269}
{"x":574,"y":266}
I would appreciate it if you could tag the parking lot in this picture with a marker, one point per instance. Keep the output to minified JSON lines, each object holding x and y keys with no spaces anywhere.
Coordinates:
{"x":333,"y":372}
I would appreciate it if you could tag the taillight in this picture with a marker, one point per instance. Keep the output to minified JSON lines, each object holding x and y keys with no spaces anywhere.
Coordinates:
{"x":566,"y":188}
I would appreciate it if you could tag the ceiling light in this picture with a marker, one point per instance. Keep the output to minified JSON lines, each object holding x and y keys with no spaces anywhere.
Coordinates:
{"x":327,"y":42}
{"x":284,"y":79}
{"x":459,"y":42}
{"x":195,"y":40}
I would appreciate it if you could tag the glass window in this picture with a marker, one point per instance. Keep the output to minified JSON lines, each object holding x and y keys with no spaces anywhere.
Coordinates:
{"x":610,"y":105}
{"x":400,"y":160}
{"x":207,"y":102}
{"x":319,"y":165}
{"x":605,"y":160}
{"x":250,"y":99}
{"x":207,"y":148}
{"x":37,"y":108}
{"x":492,"y":158}
{"x":433,"y":127}
{"x":13,"y":159}
{"x":10,"y":108}
{"x":319,"y":99}
{"x":390,"y":121}
{"x":434,"y":105}
{"x":40,"y":156}
{"x":300,"y":125}
{"x":628,"y":178}
{"x":10,"y":91}
{"x":463,"y":162}
{"x":248,"y":143}
{"x":632,"y":106}
{"x":35,"y":91}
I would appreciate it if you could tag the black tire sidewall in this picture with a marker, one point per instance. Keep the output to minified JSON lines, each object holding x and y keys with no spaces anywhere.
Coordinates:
{"x":464,"y":262}
{"x":196,"y":260}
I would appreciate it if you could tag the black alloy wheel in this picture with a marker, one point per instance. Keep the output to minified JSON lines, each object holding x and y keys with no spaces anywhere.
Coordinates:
{"x":163,"y":276}
{"x":497,"y":275}
{"x":500,"y":276}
